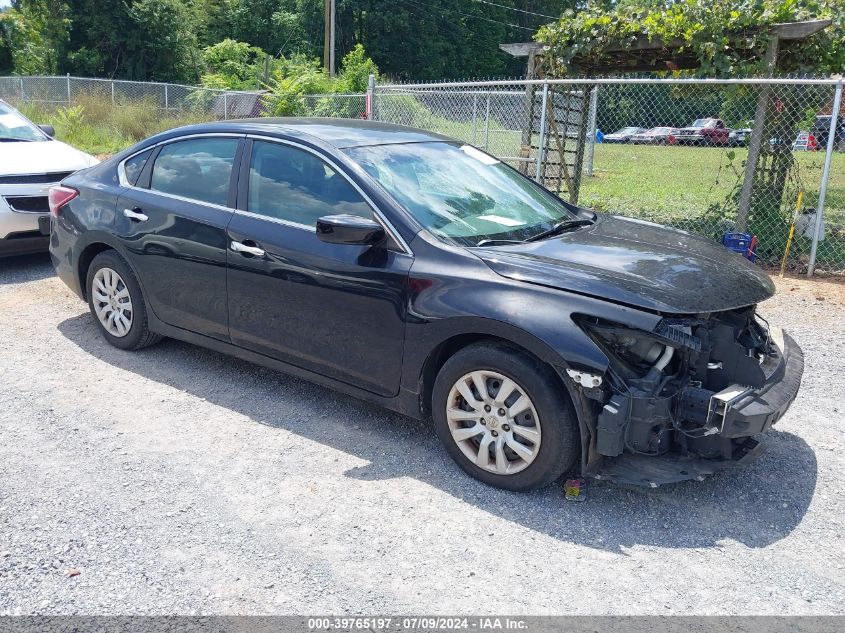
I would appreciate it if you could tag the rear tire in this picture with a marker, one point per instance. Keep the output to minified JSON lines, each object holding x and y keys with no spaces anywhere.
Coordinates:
{"x":524,"y":440}
{"x":117,"y":303}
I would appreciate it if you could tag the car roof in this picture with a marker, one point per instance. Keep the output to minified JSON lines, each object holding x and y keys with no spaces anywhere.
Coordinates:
{"x":340,"y":133}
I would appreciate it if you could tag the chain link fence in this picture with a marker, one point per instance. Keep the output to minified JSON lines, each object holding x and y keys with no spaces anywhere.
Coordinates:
{"x":669,"y":151}
{"x":171,"y":98}
{"x":712,"y":157}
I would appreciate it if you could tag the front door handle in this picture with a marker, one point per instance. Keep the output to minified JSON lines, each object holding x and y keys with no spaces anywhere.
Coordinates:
{"x":135,"y":215}
{"x":238,"y":247}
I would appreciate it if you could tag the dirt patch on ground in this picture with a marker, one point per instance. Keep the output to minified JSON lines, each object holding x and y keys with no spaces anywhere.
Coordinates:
{"x":829,"y":289}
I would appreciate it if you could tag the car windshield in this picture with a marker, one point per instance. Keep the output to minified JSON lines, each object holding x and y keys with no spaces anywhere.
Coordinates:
{"x":462,"y":194}
{"x":702,"y":123}
{"x":629,"y":130}
{"x":14,"y":127}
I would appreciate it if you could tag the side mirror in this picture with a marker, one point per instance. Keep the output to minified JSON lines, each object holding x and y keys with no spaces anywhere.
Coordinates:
{"x":350,"y":229}
{"x":49,"y":130}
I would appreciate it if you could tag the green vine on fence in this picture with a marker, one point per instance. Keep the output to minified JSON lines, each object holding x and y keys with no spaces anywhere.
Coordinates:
{"x":726,"y":37}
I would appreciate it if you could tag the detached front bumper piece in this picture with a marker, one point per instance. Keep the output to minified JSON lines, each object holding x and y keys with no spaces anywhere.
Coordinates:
{"x":736,"y":415}
{"x":755,"y":411}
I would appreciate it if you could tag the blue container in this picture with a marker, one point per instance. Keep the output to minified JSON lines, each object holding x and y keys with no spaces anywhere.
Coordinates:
{"x":741,"y":243}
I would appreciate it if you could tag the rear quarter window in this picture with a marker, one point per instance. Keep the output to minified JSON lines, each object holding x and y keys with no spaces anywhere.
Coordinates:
{"x":133,"y":167}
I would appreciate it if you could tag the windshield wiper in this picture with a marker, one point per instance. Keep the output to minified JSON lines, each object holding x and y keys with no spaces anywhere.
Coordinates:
{"x":560,"y":227}
{"x":494,"y":242}
{"x":10,"y":139}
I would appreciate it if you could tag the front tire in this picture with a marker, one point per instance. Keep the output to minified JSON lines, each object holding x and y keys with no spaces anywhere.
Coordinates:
{"x":117,"y":304}
{"x":504,"y":417}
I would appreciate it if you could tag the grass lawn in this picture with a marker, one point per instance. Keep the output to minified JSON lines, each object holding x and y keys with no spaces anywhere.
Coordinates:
{"x":674,"y":183}
{"x":677,"y":185}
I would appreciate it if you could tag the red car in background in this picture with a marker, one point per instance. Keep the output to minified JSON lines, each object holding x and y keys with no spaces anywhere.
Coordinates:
{"x":704,"y":132}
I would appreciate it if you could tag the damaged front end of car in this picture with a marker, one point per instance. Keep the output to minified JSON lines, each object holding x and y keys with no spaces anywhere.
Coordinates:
{"x":686,"y":399}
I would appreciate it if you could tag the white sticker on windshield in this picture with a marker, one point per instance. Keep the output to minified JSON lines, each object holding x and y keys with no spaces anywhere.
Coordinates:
{"x":11,"y":121}
{"x":498,"y":219}
{"x":478,"y":155}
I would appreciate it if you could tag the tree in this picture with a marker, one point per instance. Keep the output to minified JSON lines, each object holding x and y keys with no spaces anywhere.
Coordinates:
{"x":300,"y":75}
{"x":234,"y":65}
{"x":162,"y":45}
{"x":98,"y":42}
{"x":35,"y":32}
{"x":355,"y":72}
{"x":7,"y":62}
{"x":442,"y":39}
{"x":407,"y":39}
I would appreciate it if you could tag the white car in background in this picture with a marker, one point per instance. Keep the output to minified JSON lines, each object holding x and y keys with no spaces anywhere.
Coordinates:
{"x":31,"y":161}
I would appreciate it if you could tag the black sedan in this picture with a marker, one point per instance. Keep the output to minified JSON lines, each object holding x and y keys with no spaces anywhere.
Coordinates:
{"x":419,"y":273}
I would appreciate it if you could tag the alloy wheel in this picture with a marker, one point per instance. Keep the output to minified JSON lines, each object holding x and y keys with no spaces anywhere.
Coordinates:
{"x":493,"y":422}
{"x":112,"y":302}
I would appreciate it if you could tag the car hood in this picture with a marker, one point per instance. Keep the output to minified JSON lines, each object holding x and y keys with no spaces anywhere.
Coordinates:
{"x":41,"y":157}
{"x":691,"y":130}
{"x":636,"y":263}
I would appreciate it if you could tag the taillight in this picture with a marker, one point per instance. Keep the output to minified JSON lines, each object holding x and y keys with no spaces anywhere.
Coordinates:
{"x":59,"y":196}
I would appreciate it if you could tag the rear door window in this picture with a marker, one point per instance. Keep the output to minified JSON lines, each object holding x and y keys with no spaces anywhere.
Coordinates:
{"x":199,"y":169}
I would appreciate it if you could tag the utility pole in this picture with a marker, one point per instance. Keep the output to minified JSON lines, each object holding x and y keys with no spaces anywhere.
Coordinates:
{"x":329,"y":36}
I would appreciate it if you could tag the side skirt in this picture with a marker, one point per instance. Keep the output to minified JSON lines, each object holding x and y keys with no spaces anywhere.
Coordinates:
{"x":405,"y":402}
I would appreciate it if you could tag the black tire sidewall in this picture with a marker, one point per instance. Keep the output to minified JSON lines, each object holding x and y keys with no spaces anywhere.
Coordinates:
{"x":138,"y":329}
{"x":560,"y":444}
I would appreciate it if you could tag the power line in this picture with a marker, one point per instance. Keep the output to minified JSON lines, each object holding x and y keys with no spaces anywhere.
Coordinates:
{"x":502,"y":6}
{"x":470,"y":15}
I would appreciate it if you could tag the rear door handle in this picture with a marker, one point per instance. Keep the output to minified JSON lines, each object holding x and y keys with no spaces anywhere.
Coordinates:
{"x":238,"y":247}
{"x":135,"y":215}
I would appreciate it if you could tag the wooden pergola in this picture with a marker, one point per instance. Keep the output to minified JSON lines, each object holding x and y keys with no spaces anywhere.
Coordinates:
{"x":653,"y":55}
{"x":642,"y":54}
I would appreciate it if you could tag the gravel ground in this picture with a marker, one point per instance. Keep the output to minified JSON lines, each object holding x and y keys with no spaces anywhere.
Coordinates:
{"x":178,"y":480}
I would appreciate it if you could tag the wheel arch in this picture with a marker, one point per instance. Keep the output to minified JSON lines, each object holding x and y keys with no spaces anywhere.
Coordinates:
{"x":86,"y":256}
{"x":91,"y":244}
{"x":520,"y":340}
{"x":450,"y":346}
{"x":572,"y":397}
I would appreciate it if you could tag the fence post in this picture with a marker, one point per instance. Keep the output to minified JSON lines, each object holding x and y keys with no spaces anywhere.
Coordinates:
{"x":166,"y":99}
{"x":591,"y":145}
{"x":487,"y":123}
{"x":541,"y":145}
{"x":371,"y":89}
{"x":831,"y":144}
{"x":474,"y":118}
{"x":225,"y":106}
{"x":68,"y":88}
{"x":756,"y":142}
{"x":112,"y":91}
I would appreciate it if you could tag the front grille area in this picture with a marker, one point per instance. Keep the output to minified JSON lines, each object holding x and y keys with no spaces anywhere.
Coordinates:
{"x":28,"y":204}
{"x":34,"y":179}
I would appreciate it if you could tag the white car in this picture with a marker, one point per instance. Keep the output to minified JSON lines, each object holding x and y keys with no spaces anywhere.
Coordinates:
{"x":31,"y":161}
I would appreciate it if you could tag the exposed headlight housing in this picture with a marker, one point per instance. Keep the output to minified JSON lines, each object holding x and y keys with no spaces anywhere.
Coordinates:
{"x":632,"y":352}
